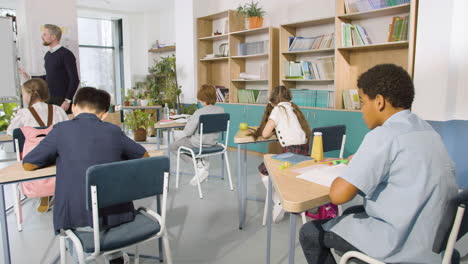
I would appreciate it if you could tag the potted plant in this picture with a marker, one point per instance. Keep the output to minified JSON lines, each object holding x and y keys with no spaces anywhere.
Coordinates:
{"x":163,"y":82}
{"x":8,"y":113}
{"x":139,"y":121}
{"x":129,"y":98}
{"x":253,"y":12}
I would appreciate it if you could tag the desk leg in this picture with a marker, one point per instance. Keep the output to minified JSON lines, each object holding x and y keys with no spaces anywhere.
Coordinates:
{"x":244,"y":186}
{"x":4,"y":227}
{"x":168,"y":141}
{"x":239,"y":185}
{"x":158,"y":138}
{"x":292,"y":236}
{"x":269,"y":202}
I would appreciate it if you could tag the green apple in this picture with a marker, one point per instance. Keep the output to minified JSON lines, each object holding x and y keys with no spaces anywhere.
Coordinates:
{"x":243,"y":126}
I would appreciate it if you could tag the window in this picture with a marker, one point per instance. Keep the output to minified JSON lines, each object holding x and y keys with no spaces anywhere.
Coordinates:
{"x":100,"y":56}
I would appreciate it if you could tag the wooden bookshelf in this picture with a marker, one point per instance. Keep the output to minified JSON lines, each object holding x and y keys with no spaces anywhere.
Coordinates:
{"x":330,"y":50}
{"x":387,"y":11}
{"x":381,"y":46}
{"x":225,"y":71}
{"x":306,"y":80}
{"x":163,"y":49}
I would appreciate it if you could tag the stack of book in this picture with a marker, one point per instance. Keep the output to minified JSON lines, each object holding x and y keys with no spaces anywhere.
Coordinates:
{"x":313,"y":98}
{"x":351,"y":99}
{"x":318,"y":42}
{"x":353,"y":35}
{"x":318,"y":69}
{"x":398,"y":30}
{"x":355,"y":6}
{"x":248,"y":96}
{"x":253,"y":48}
{"x":222,"y":94}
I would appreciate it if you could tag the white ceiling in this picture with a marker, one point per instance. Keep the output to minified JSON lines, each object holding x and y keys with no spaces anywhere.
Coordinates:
{"x":113,"y":5}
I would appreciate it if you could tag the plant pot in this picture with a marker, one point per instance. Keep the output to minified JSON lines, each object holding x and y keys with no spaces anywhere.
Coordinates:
{"x":139,"y":134}
{"x":144,"y":102}
{"x":255,"y":22}
{"x":135,"y":103}
{"x":126,"y":103}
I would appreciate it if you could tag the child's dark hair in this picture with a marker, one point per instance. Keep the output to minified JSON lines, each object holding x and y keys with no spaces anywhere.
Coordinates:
{"x":92,"y":98}
{"x":390,"y":81}
{"x":282,"y":94}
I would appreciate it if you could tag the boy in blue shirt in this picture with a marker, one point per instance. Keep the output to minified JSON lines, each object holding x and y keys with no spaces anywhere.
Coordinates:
{"x":76,"y":145}
{"x":402,"y":170}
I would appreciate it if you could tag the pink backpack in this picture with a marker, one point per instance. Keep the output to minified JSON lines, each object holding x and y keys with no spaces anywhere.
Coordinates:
{"x":325,"y":212}
{"x":33,"y":136}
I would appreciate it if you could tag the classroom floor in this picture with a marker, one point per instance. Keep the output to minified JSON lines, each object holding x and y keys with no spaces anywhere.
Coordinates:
{"x":200,"y":230}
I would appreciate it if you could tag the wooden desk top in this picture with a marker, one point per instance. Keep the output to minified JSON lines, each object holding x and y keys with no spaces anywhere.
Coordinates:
{"x":142,"y":107}
{"x":297,"y":195}
{"x":169,"y":125}
{"x":5,"y":138}
{"x":15,"y":172}
{"x":242,"y":138}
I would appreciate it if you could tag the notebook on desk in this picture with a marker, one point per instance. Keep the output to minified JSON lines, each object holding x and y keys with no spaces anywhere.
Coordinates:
{"x":292,"y":158}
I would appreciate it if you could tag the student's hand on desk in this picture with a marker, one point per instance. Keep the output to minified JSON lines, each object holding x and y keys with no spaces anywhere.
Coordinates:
{"x":342,"y":191}
{"x":350,"y":157}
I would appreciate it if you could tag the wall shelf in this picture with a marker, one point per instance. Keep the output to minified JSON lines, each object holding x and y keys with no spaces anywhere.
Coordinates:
{"x":163,"y":49}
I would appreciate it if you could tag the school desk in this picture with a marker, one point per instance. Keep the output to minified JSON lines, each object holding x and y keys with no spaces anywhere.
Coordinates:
{"x":166,"y":126}
{"x":14,"y":174}
{"x":243,"y":139}
{"x":296,"y":195}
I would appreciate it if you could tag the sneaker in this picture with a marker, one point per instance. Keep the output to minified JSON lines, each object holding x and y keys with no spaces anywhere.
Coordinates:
{"x":44,"y":204}
{"x":123,"y":259}
{"x":278,"y":212}
{"x":203,"y":163}
{"x":202,"y":175}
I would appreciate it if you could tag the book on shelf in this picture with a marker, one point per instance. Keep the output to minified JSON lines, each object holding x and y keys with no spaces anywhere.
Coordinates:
{"x":251,"y":96}
{"x":398,"y":29}
{"x":356,"y":6}
{"x":222,"y":94}
{"x":351,"y":99}
{"x":311,"y":43}
{"x":316,"y":69}
{"x":253,"y":48}
{"x":313,"y":98}
{"x":353,"y":35}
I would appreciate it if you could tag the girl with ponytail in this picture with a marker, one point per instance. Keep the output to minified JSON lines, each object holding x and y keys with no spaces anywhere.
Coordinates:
{"x":284,"y":118}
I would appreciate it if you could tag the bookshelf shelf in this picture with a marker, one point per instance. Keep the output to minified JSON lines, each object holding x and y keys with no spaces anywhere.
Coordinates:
{"x":215,"y":37}
{"x":381,"y":46}
{"x":250,"y":56}
{"x":311,"y":23}
{"x":387,"y":11}
{"x":305,"y":80}
{"x":251,"y":31}
{"x":308,"y":51}
{"x":216,"y":59}
{"x":244,"y":80}
{"x":163,"y":49}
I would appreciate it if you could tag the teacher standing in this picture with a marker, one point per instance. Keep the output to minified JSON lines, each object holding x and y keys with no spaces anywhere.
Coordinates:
{"x":60,"y":66}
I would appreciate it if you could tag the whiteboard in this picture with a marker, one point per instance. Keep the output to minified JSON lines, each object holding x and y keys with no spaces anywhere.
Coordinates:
{"x":9,"y":85}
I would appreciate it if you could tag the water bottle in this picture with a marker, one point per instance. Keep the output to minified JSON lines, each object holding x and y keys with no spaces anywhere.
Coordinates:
{"x":166,"y":112}
{"x":317,"y":147}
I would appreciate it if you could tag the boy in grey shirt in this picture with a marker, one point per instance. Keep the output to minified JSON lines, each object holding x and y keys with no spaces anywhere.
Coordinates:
{"x":191,"y":137}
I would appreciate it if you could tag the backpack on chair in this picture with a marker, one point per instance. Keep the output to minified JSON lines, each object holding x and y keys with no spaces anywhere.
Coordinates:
{"x":33,"y":136}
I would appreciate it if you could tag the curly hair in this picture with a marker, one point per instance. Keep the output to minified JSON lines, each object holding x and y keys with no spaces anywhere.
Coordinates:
{"x":390,"y":81}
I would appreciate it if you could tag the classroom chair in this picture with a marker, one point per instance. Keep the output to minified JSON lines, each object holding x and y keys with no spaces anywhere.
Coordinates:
{"x":212,"y":123}
{"x":333,"y":138}
{"x":116,"y":183}
{"x":454,"y":225}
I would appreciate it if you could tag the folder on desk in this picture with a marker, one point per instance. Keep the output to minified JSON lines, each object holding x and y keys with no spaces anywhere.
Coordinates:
{"x":290,"y":157}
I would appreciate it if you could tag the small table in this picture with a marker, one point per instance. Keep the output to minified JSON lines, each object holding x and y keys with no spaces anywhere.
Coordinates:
{"x":169,"y":126}
{"x":14,"y":174}
{"x":296,"y":195}
{"x":243,"y":139}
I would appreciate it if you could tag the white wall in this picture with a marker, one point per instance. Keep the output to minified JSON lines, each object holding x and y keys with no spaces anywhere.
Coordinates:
{"x":278,"y":12}
{"x":441,"y":64}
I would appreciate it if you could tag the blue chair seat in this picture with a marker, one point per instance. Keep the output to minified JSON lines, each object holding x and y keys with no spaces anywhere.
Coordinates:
{"x":206,"y":150}
{"x":126,"y":234}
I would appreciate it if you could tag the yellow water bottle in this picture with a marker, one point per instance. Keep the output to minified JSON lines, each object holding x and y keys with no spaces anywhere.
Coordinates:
{"x":317,"y":147}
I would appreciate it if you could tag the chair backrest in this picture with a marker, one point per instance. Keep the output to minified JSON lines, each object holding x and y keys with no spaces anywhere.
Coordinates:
{"x":332,"y":137}
{"x":125,"y":181}
{"x":18,"y":136}
{"x":213,"y":123}
{"x":447,"y":222}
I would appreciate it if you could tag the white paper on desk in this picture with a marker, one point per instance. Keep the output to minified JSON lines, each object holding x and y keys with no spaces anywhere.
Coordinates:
{"x":181,"y":120}
{"x":179,"y":116}
{"x":321,"y":174}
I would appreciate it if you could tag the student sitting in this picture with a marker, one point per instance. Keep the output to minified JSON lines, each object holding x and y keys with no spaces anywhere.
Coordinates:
{"x":402,"y":170}
{"x":292,"y":130}
{"x":35,"y":93}
{"x":191,"y":137}
{"x":75,"y":146}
